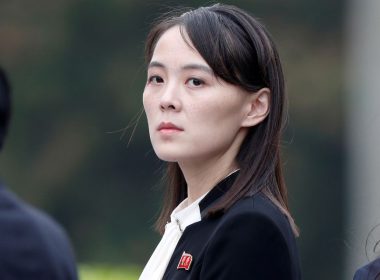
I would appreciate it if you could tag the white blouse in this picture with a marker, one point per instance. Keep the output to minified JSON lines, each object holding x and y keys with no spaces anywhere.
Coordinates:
{"x":182,"y":216}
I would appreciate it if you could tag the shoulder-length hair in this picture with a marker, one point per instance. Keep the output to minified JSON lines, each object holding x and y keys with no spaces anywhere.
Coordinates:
{"x":241,"y":52}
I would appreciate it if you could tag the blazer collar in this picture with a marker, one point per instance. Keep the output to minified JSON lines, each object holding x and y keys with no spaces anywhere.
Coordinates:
{"x":217,"y":192}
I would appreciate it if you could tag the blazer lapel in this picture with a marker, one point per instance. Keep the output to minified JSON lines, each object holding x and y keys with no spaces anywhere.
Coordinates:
{"x":216,"y":193}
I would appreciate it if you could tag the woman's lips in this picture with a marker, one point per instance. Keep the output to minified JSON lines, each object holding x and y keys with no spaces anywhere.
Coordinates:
{"x":168,"y":127}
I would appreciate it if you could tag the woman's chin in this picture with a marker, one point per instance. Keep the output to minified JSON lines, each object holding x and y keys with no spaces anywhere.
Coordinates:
{"x":169,"y":157}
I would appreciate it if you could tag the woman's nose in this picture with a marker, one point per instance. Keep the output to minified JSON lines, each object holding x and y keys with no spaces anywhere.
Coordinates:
{"x":170,"y":99}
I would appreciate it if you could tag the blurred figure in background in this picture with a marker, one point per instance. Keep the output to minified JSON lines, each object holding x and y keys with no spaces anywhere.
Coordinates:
{"x":32,"y":245}
{"x":370,"y":271}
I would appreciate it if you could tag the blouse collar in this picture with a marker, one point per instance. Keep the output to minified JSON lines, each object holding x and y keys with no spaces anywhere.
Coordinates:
{"x":186,"y":214}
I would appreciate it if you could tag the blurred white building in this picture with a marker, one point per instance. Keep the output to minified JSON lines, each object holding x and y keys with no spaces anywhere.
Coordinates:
{"x":363,"y":132}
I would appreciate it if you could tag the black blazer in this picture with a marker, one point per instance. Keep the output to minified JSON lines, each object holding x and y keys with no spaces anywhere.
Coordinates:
{"x":32,"y":245}
{"x":252,"y":240}
{"x":370,"y":271}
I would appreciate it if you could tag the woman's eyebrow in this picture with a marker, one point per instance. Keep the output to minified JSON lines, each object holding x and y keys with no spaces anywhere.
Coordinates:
{"x":156,"y":64}
{"x":198,"y":67}
{"x":192,"y":66}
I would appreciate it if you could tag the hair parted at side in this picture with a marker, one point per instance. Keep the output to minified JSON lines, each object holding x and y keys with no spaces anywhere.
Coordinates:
{"x":5,"y":106}
{"x":241,"y":52}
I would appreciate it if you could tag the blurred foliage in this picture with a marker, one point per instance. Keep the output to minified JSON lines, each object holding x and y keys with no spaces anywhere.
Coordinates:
{"x":77,"y":71}
{"x":108,"y":272}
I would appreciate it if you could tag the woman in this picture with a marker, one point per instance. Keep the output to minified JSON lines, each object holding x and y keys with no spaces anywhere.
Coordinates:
{"x":214,"y":100}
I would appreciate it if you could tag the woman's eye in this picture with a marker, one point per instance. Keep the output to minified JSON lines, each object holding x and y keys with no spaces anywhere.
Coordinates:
{"x":155,"y":80}
{"x":194,"y":82}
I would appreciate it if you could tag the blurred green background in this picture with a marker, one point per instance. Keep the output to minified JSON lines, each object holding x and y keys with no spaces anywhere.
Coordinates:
{"x":77,"y":71}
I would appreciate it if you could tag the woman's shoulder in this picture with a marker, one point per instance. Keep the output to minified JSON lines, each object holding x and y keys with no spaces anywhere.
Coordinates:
{"x":259,"y":209}
{"x":256,"y":235}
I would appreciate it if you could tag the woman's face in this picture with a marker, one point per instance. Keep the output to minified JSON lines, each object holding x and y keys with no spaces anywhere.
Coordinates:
{"x":192,"y":115}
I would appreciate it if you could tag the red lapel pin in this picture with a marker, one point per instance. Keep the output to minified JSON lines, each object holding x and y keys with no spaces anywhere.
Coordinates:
{"x":185,"y":261}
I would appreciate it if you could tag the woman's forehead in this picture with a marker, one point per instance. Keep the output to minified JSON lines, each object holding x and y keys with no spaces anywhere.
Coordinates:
{"x":173,"y":49}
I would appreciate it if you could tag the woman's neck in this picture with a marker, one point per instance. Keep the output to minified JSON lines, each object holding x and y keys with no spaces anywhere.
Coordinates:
{"x":202,"y":177}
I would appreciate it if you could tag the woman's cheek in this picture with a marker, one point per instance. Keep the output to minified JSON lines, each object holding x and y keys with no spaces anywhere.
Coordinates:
{"x":148,"y":104}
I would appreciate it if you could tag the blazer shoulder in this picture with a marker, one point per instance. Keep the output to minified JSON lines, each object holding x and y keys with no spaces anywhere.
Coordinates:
{"x":260,"y":206}
{"x":256,"y":240}
{"x":252,"y":242}
{"x":258,"y":213}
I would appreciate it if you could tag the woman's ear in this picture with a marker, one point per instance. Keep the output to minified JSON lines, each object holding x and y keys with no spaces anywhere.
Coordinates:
{"x":257,"y":107}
